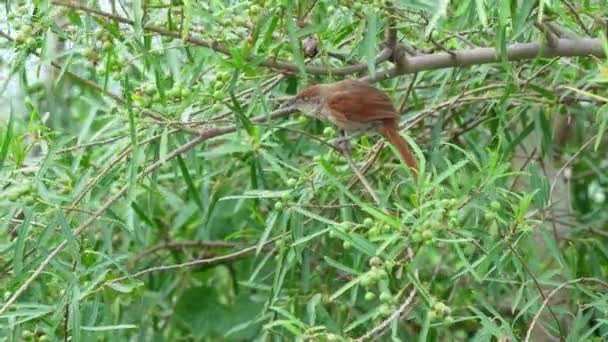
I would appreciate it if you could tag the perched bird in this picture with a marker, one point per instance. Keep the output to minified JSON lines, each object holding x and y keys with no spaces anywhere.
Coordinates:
{"x":353,"y":106}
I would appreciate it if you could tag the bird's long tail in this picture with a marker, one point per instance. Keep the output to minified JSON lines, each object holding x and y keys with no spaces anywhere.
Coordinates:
{"x":390,"y":131}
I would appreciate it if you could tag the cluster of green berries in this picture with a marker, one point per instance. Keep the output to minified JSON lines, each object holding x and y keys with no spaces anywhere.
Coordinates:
{"x":492,"y":213}
{"x":376,"y":283}
{"x":441,"y":311}
{"x":25,"y":30}
{"x":280,"y":204}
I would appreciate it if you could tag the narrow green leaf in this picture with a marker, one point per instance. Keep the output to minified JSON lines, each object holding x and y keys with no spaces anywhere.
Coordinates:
{"x":295,"y":47}
{"x":338,"y":265}
{"x":310,"y":237}
{"x":270,"y":223}
{"x":20,"y":244}
{"x":75,"y":315}
{"x":481,"y":12}
{"x":7,"y":140}
{"x":347,"y":286}
{"x":370,"y":44}
{"x":189,"y":183}
{"x":187,"y":21}
{"x":601,"y":118}
{"x":69,"y":236}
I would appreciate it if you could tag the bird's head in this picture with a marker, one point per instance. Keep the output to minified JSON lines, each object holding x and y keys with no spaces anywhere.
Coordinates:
{"x":307,"y":100}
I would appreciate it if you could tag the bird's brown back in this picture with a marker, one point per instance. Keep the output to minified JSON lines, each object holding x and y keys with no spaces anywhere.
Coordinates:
{"x":358,"y":101}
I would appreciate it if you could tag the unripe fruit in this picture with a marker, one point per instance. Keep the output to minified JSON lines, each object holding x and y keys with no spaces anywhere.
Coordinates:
{"x":369,"y":296}
{"x":346,"y":245}
{"x":385,"y":297}
{"x":279,"y":205}
{"x":291,"y":182}
{"x":329,"y":132}
{"x":375,"y":261}
{"x":385,"y":310}
{"x":368,"y":222}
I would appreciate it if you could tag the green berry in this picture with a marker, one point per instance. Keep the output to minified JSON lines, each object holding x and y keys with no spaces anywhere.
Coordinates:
{"x":329,"y":132}
{"x":369,"y":296}
{"x":107,"y":45}
{"x":427,"y":234}
{"x":346,"y":245}
{"x":291,"y":182}
{"x":385,"y":310}
{"x":375,"y":261}
{"x":285,"y":196}
{"x":185,"y":92}
{"x":416,"y":237}
{"x":382,"y":273}
{"x":448,"y":320}
{"x":279,"y":205}
{"x":385,"y":297}
{"x":302,"y":119}
{"x":345,"y":225}
{"x":366,"y":280}
{"x":98,"y":33}
{"x":495,"y":205}
{"x":332,"y":337}
{"x":368,"y":222}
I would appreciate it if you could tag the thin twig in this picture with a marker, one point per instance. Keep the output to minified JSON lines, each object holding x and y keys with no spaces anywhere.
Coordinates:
{"x":196,"y":262}
{"x":395,"y":315}
{"x":551,"y":294}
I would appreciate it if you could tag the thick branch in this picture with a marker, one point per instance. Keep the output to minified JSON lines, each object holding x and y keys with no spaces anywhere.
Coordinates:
{"x":516,"y":52}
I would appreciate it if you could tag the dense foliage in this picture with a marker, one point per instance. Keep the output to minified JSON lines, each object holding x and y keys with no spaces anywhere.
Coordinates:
{"x":150,"y":190}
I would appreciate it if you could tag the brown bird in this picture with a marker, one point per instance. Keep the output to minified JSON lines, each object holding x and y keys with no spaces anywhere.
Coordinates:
{"x":353,"y":106}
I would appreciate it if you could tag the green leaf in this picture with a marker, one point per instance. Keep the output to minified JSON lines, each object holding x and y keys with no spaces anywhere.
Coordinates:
{"x":270,"y":224}
{"x":295,"y":47}
{"x":187,"y":22}
{"x":240,"y":115}
{"x":481,"y":12}
{"x":200,"y":312}
{"x":7,"y":140}
{"x":347,"y":286}
{"x":310,"y":237}
{"x":20,"y":244}
{"x":189,"y":183}
{"x":75,"y":314}
{"x":73,"y":247}
{"x":369,"y":45}
{"x":601,"y":119}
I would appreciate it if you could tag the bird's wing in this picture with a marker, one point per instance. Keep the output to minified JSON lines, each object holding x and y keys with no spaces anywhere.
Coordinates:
{"x":361,"y":103}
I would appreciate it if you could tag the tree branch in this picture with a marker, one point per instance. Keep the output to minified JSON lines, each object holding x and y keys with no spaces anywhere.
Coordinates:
{"x":383,"y":56}
{"x":516,"y":52}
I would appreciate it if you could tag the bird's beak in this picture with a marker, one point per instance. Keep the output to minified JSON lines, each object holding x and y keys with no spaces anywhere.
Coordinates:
{"x":290,"y":105}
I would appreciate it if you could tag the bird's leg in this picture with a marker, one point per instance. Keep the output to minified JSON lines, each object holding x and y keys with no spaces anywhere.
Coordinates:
{"x":343,"y":144}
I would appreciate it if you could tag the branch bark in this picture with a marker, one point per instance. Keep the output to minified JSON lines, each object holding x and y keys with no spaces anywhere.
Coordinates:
{"x":564,"y":47}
